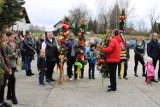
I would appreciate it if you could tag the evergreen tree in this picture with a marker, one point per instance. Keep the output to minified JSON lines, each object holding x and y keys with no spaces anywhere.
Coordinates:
{"x":90,"y":25}
{"x":12,"y":12}
{"x":95,"y":26}
{"x":114,"y":17}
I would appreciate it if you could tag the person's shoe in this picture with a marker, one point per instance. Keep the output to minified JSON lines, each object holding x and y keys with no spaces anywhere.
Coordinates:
{"x":144,"y":75}
{"x":43,"y":84}
{"x":153,"y":80}
{"x":109,"y":86}
{"x":5,"y":104}
{"x":125,"y":78}
{"x":28,"y":74}
{"x":79,"y":79}
{"x":48,"y":80}
{"x":51,"y":79}
{"x":93,"y":77}
{"x":135,"y":75}
{"x":14,"y":100}
{"x":110,"y":90}
{"x":71,"y":79}
{"x":9,"y":97}
{"x":90,"y":78}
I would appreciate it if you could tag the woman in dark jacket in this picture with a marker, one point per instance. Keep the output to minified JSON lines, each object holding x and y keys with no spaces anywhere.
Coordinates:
{"x":139,"y":50}
{"x":29,"y":53}
{"x":5,"y":71}
{"x":71,"y":45}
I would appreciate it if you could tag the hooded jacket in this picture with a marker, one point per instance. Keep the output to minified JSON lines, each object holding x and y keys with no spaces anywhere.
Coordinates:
{"x":113,"y":50}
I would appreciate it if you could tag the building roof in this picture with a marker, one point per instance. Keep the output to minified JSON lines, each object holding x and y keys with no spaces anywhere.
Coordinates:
{"x":26,"y":15}
{"x":58,"y":23}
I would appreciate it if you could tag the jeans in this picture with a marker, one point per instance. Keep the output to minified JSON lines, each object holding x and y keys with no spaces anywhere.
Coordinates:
{"x":91,"y":68}
{"x":27,"y":62}
{"x":41,"y":76}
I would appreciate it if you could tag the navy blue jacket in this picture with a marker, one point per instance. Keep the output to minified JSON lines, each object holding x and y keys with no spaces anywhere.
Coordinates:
{"x":153,"y":49}
{"x":42,"y":63}
{"x":69,"y":44}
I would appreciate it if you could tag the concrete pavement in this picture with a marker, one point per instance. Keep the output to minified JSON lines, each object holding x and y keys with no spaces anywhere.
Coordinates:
{"x":133,"y":92}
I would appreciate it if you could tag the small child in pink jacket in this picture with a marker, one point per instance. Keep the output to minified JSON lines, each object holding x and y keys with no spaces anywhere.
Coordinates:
{"x":150,"y":69}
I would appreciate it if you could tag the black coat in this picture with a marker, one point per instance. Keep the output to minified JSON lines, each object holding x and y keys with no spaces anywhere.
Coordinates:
{"x":29,"y":46}
{"x":153,"y":49}
{"x":42,"y":63}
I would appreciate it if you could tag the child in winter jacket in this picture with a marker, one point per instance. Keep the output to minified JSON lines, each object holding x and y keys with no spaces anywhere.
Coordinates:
{"x":42,"y":67}
{"x":91,"y":56}
{"x":150,"y":69}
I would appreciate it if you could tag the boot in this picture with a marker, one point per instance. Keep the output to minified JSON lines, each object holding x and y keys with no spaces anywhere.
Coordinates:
{"x":14,"y":100}
{"x":27,"y":73}
{"x":144,"y":75}
{"x":30,"y":72}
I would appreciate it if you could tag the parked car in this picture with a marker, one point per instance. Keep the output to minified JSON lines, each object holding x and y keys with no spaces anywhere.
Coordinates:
{"x":132,"y":43}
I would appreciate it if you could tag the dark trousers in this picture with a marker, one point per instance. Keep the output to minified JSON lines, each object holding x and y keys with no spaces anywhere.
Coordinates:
{"x":141,"y":60}
{"x":2,"y":88}
{"x":27,"y":62}
{"x":41,"y":76}
{"x":70,"y":64}
{"x":11,"y":84}
{"x":23,"y":58}
{"x":82,"y":72}
{"x":112,"y":71}
{"x":91,"y":70}
{"x":50,"y":68}
{"x":125,"y":61}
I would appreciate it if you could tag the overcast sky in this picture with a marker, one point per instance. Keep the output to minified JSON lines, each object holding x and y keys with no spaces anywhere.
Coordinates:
{"x":49,"y":12}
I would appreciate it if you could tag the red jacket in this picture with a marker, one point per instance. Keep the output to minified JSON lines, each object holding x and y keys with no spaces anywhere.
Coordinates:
{"x":113,"y":50}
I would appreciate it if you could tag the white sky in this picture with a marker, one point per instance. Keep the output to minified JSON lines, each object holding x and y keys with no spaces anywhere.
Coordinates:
{"x":49,"y":12}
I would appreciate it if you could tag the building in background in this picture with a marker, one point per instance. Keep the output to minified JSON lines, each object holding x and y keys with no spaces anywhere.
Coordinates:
{"x":21,"y":25}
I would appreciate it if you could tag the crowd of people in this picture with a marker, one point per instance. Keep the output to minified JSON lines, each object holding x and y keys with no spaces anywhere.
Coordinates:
{"x":47,"y":50}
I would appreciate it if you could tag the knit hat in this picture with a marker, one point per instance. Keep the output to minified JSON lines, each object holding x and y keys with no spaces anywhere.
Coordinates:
{"x":149,"y":59}
{"x":92,"y":45}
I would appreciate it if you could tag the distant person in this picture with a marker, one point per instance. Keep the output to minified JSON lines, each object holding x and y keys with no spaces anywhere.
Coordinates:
{"x":39,"y":44}
{"x":42,"y":66}
{"x":29,"y":51}
{"x":113,"y":52}
{"x":22,"y":51}
{"x":139,"y":50}
{"x":150,"y":70}
{"x":153,"y":50}
{"x":124,"y":58}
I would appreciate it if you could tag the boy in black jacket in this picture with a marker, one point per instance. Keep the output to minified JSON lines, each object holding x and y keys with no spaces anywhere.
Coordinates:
{"x":42,"y":67}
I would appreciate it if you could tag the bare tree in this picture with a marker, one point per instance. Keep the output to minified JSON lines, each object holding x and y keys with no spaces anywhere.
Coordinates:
{"x":153,"y":17}
{"x":76,"y":14}
{"x":103,"y":12}
{"x":129,"y":9}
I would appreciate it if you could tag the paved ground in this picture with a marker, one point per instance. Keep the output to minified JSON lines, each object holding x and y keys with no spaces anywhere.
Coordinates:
{"x":87,"y":93}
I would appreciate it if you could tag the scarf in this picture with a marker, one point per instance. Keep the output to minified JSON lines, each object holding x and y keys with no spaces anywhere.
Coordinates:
{"x":5,"y":61}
